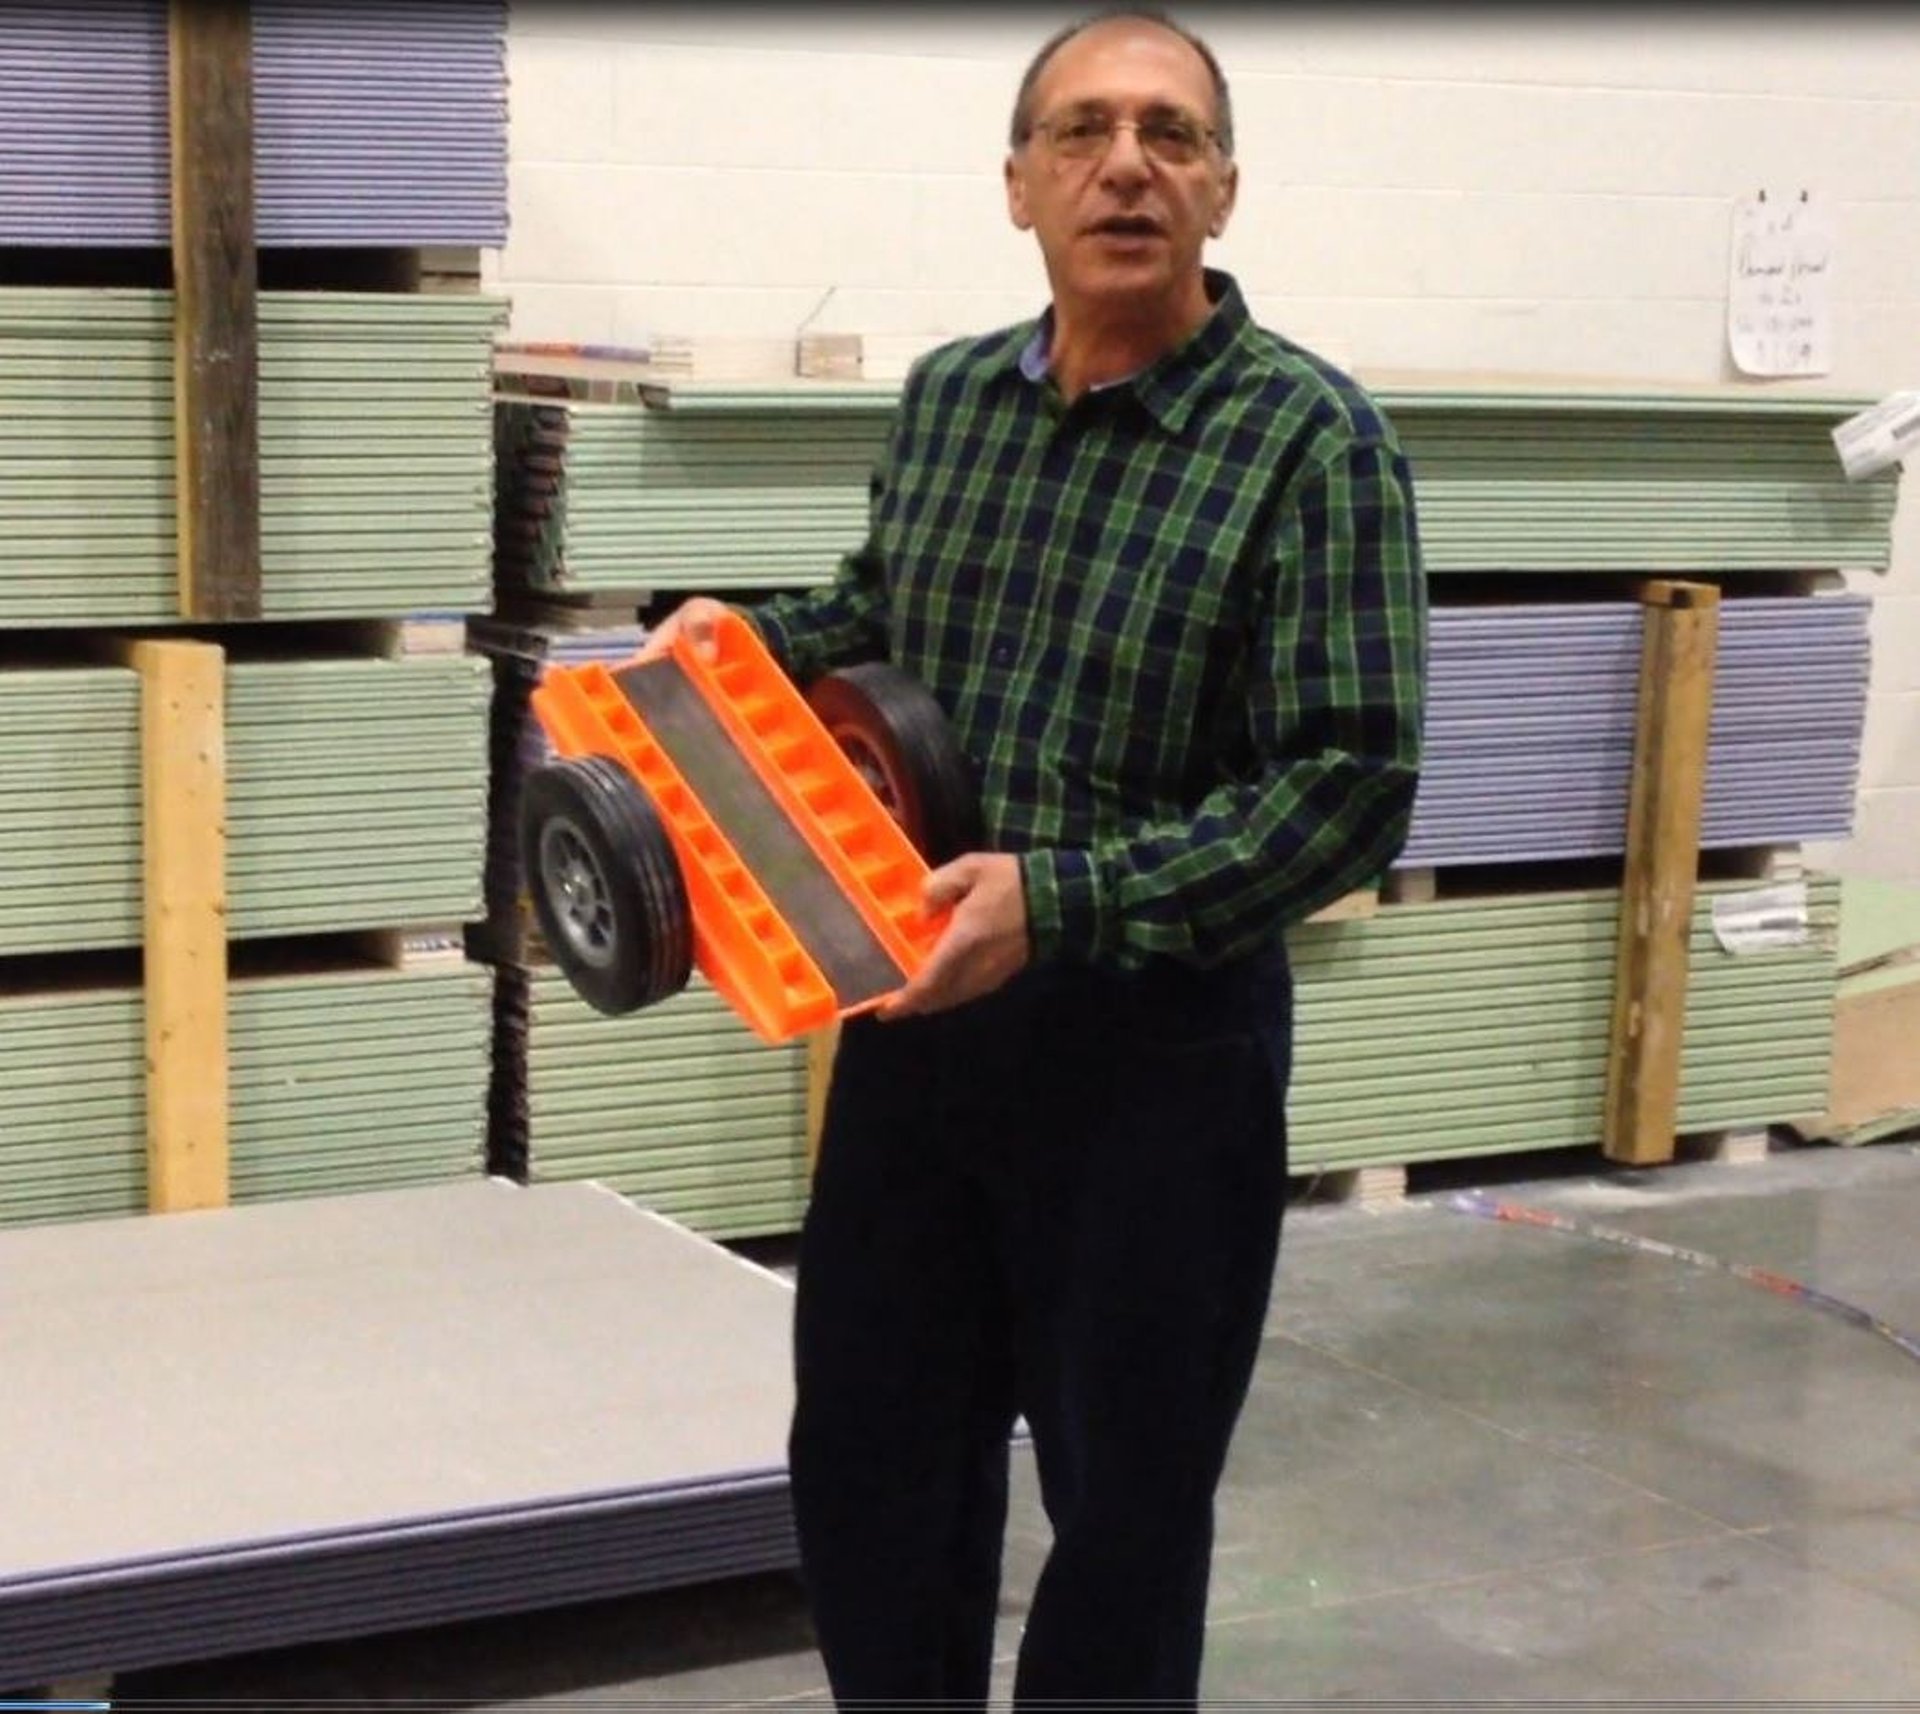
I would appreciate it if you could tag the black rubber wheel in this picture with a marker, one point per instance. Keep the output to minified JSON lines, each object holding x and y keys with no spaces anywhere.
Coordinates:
{"x":606,"y":885}
{"x":899,"y":739}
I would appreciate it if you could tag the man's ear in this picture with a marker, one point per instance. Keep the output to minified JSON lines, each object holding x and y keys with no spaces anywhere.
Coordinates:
{"x":1223,"y":207}
{"x":1017,"y":195}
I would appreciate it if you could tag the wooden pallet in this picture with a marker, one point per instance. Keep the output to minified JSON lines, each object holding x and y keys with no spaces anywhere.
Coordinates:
{"x":1386,"y":1186}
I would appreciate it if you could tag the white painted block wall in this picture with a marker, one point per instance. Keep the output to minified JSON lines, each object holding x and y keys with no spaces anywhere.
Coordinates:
{"x":1545,"y":195}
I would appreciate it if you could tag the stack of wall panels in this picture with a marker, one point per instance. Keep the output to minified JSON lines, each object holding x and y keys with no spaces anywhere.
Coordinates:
{"x":348,"y":1080}
{"x":379,"y":123}
{"x":356,"y":798}
{"x":706,"y":485}
{"x":680,"y":1107}
{"x":357,"y":1413}
{"x":1586,"y":480}
{"x":609,"y":497}
{"x":376,"y":460}
{"x":371,"y":776}
{"x":1531,"y":715}
{"x":664,"y":484}
{"x":1480,"y":1026}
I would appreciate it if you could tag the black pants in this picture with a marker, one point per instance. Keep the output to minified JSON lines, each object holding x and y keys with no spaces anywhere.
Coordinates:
{"x":1062,"y":1201}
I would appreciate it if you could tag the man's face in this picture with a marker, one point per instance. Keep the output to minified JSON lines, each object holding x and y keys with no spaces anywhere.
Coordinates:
{"x":1123,"y":222}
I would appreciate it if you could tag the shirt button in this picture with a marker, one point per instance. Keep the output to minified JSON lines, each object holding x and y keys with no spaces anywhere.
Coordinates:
{"x":1002,"y":654}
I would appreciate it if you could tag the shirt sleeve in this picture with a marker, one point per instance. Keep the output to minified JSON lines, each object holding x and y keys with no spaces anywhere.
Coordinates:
{"x":1335,"y":710}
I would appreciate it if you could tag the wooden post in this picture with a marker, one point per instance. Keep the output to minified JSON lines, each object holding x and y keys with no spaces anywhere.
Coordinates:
{"x":1662,"y":865}
{"x":822,"y":1045}
{"x":1356,"y":906}
{"x":183,"y":815}
{"x":216,"y":336}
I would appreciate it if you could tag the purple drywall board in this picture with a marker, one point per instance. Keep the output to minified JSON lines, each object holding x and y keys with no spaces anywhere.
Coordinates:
{"x":378,"y":123}
{"x":1529,"y":741}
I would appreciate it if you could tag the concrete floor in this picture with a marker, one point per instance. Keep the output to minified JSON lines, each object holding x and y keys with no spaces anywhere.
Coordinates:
{"x":1480,"y":1462}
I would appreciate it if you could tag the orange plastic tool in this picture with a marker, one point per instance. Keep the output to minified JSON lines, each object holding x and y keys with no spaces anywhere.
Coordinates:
{"x":804,"y":825}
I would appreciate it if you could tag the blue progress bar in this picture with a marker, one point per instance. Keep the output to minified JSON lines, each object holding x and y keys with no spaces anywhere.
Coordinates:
{"x":42,"y":1707}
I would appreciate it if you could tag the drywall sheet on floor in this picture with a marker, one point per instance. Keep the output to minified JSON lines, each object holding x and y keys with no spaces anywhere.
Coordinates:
{"x":252,"y":1427}
{"x":350,"y":1364}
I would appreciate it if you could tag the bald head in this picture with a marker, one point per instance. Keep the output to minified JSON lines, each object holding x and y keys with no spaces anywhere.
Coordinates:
{"x":1023,"y":105}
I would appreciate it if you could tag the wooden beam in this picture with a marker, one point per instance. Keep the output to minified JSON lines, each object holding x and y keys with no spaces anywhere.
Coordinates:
{"x":1678,"y":643}
{"x":822,"y":1045}
{"x":215,"y":284}
{"x":1350,"y":907}
{"x":183,"y":816}
{"x":1410,"y":886}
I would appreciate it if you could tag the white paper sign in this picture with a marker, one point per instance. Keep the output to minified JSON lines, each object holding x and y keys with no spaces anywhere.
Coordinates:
{"x":1779,"y":298}
{"x":1763,"y":919}
{"x":1880,"y":436}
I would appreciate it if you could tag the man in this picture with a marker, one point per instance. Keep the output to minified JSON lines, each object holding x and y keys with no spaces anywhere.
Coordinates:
{"x":1159,"y":568}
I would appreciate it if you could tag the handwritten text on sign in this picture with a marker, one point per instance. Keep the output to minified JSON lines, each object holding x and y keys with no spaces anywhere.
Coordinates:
{"x":1779,"y":302}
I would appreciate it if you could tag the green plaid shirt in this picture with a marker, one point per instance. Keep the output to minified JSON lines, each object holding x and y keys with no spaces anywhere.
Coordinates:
{"x":1179,"y":626}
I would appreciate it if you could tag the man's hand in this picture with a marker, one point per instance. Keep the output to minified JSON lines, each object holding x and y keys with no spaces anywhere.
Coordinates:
{"x":986,"y":939}
{"x":695,"y":619}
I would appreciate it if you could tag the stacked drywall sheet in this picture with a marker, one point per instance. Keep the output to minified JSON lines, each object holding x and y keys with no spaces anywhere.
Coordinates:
{"x":651,"y":483}
{"x":1876,"y":1028}
{"x":680,"y":1107}
{"x":376,"y":458}
{"x":598,"y":498}
{"x":1480,"y":1026}
{"x":613,"y":477}
{"x":358,"y":792}
{"x":356,"y":798}
{"x":360,"y":1413}
{"x":339,"y":1080}
{"x":1586,"y":479}
{"x":1530,"y":727}
{"x":379,"y":123}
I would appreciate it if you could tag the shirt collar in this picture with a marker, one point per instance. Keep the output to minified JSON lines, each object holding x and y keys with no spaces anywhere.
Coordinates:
{"x":1170,"y":386}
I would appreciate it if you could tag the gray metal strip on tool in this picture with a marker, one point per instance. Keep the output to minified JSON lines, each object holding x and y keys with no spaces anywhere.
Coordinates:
{"x":857,"y":967}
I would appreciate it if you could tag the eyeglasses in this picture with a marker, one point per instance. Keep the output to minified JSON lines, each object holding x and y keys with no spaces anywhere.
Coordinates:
{"x":1085,"y":134}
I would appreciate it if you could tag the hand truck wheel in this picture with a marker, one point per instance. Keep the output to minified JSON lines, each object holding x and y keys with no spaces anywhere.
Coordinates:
{"x":607,"y":889}
{"x":898,"y":738}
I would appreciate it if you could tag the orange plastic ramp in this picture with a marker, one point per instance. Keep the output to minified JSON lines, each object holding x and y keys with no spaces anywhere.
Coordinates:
{"x":806,"y":894}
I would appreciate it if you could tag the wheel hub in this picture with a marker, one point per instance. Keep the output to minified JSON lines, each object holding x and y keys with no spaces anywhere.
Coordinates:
{"x":581,"y":897}
{"x":871,"y":767}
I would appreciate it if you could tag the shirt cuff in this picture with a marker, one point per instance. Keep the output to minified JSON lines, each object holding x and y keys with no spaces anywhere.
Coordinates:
{"x":1063,"y":905}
